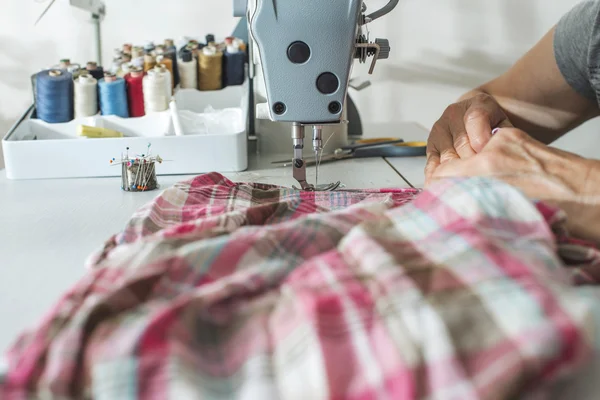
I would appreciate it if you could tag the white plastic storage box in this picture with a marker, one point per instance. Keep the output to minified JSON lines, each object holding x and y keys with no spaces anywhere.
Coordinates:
{"x":34,"y":149}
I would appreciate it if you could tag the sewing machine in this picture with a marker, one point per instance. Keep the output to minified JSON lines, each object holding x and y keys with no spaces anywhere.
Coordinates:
{"x":302,"y":53}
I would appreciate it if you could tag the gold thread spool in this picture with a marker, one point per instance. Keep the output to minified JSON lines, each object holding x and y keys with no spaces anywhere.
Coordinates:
{"x":210,"y":66}
{"x":149,"y":62}
{"x":168,"y":64}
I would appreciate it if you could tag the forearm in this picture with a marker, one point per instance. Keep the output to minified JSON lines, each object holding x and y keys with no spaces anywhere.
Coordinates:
{"x":536,"y":97}
{"x":535,"y":121}
{"x":545,"y":123}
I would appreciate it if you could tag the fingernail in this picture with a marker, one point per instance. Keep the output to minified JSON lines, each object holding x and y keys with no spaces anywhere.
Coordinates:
{"x":495,"y":130}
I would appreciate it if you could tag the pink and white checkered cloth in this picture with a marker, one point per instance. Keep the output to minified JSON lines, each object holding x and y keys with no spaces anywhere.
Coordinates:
{"x":217,"y":290}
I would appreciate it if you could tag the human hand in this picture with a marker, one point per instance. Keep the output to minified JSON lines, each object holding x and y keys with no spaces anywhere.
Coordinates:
{"x":463,"y":130}
{"x":540,"y":172}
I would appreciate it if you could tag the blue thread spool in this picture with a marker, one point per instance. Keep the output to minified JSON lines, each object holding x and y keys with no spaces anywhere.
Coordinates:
{"x":113,"y":96}
{"x":234,"y":65}
{"x":54,"y":96}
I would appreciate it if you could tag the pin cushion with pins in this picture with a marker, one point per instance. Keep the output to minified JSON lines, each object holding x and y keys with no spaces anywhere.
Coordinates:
{"x":138,"y":174}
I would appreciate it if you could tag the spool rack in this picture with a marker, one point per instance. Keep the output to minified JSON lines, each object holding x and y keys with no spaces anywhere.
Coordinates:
{"x":34,"y":149}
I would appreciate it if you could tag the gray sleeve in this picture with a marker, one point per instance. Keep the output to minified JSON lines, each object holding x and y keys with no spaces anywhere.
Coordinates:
{"x":576,"y":45}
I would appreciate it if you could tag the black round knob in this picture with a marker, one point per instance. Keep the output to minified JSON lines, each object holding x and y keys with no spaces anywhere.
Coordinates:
{"x":327,"y":83}
{"x":384,"y":48}
{"x":298,"y":52}
{"x":279,"y":108}
{"x":334,"y":107}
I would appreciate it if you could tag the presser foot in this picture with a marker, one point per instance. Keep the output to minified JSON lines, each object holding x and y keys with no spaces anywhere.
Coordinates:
{"x":300,"y":176}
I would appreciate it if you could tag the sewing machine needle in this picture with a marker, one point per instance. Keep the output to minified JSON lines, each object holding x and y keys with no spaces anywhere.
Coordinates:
{"x":317,"y":168}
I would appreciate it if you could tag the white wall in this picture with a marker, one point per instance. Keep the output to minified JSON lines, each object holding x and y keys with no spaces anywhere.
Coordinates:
{"x":440,"y":48}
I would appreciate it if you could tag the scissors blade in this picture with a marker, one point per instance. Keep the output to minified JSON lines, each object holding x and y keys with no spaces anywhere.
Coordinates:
{"x":409,"y":149}
{"x":371,"y":143}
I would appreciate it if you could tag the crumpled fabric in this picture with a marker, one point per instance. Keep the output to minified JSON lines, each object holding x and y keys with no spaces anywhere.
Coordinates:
{"x":217,"y":290}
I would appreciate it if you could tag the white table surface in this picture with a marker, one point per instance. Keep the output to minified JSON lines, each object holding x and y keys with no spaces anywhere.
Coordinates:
{"x":49,"y":227}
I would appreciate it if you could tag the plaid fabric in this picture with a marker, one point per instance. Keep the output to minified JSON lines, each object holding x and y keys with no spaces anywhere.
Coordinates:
{"x":218,"y":290}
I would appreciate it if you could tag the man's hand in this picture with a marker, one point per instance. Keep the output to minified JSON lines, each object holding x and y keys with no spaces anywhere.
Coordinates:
{"x":541,"y":173}
{"x":463,"y":130}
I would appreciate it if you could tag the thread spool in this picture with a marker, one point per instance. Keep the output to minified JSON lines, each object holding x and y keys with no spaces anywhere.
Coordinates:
{"x":154,"y":85}
{"x":95,"y":70}
{"x":168,"y":64}
{"x":137,"y":57}
{"x":210,"y":65}
{"x":240,"y":44}
{"x":116,"y":66}
{"x":188,"y":71}
{"x":183,"y":44}
{"x":234,"y":66}
{"x":127,"y":48}
{"x":135,"y":93}
{"x":149,"y":62}
{"x":54,"y":94}
{"x":86,"y":96}
{"x":210,"y":39}
{"x":168,"y":80}
{"x":64,"y":63}
{"x":73,"y":68}
{"x":194,"y":47}
{"x":113,"y":96}
{"x":125,"y":69}
{"x":149,"y":47}
{"x":171,"y":52}
{"x":77,"y":72}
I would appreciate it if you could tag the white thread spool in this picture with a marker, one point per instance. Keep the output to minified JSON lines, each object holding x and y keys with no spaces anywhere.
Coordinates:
{"x":154,"y":85}
{"x":188,"y":71}
{"x":86,"y":96}
{"x":169,"y":78}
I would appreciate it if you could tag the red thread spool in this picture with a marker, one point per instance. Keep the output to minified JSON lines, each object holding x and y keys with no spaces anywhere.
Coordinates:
{"x":135,"y":93}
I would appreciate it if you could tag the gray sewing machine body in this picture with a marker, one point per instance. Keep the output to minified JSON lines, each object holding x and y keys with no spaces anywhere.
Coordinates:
{"x":304,"y":51}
